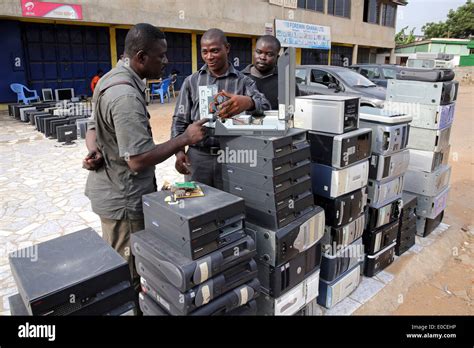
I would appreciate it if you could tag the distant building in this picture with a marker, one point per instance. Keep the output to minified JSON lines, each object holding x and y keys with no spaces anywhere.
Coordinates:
{"x":457,"y":47}
{"x":468,"y":60}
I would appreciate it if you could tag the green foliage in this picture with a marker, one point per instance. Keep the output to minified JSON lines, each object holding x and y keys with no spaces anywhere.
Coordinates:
{"x":459,"y":24}
{"x":401,"y":38}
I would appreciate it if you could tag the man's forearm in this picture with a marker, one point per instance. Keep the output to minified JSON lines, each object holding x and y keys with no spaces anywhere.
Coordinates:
{"x":160,"y":153}
{"x":178,"y":127}
{"x":91,"y":140}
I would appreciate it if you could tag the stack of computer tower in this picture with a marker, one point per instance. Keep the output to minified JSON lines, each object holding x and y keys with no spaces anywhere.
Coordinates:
{"x":388,"y":164}
{"x":281,"y":216}
{"x":75,"y":274}
{"x":340,"y":167}
{"x":429,"y":95}
{"x":194,"y":257}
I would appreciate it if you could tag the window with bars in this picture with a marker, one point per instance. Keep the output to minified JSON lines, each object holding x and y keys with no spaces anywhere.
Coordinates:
{"x":314,"y":57}
{"x":312,"y":5}
{"x":341,"y":55}
{"x":372,"y":11}
{"x":340,"y":8}
{"x":388,"y":15}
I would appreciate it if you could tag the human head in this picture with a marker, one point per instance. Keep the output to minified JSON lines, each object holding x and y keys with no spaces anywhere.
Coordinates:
{"x":215,"y":50}
{"x":145,"y":50}
{"x":266,"y":53}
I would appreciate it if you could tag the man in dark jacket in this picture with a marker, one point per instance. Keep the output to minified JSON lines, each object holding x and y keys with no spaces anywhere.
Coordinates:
{"x":265,"y":71}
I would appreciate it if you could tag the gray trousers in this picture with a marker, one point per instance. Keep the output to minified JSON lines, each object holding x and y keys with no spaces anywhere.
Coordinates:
{"x":204,"y":168}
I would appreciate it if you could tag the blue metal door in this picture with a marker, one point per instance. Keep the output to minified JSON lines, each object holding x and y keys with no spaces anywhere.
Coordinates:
{"x":65,"y":56}
{"x":179,"y":53}
{"x":12,"y":63}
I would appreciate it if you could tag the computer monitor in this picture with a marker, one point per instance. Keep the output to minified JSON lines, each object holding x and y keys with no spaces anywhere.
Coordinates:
{"x":64,"y":94}
{"x":47,"y":94}
{"x":67,"y":133}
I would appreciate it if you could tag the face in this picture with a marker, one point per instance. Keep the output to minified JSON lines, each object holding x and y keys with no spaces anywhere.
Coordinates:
{"x":154,"y":62}
{"x":215,"y":54}
{"x":265,"y":56}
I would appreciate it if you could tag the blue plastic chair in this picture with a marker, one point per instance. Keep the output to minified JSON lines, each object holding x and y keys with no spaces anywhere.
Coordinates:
{"x":161,"y":90}
{"x":19,"y":89}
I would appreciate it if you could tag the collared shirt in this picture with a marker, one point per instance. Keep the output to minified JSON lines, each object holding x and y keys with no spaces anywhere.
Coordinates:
{"x":267,"y":84}
{"x":187,"y":105}
{"x":123,"y":129}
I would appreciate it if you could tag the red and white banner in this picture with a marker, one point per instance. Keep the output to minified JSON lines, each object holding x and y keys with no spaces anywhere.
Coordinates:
{"x":50,"y":10}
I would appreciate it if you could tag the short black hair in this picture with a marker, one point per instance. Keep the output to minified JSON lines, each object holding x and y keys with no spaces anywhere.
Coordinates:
{"x":100,"y":71}
{"x":215,"y":33}
{"x":271,"y":40}
{"x":141,"y":37}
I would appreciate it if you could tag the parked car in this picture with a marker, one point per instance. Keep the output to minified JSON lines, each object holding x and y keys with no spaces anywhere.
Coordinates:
{"x":330,"y":80}
{"x":377,"y":73}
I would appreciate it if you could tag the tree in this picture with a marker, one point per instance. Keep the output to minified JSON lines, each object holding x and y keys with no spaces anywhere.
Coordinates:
{"x":459,"y":24}
{"x":403,"y":39}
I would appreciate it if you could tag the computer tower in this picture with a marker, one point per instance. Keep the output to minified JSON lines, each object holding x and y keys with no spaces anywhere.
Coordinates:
{"x":331,"y":183}
{"x":424,"y":226}
{"x":292,"y":301}
{"x":376,"y":263}
{"x":379,"y":238}
{"x":429,"y":139}
{"x":428,"y":161}
{"x":182,"y":272}
{"x":331,"y":293}
{"x":67,"y":266}
{"x":428,"y":184}
{"x":278,"y":246}
{"x":342,"y":150}
{"x":431,"y":206}
{"x":328,"y":114}
{"x":385,"y":168}
{"x":277,"y":280}
{"x":343,"y":209}
{"x":382,"y":193}
{"x":431,"y":93}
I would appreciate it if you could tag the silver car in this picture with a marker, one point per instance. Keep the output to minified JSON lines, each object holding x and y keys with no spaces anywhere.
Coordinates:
{"x":335,"y":80}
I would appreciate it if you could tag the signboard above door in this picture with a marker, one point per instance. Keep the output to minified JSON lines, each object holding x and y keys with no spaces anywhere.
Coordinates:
{"x":50,"y":10}
{"x":303,"y":35}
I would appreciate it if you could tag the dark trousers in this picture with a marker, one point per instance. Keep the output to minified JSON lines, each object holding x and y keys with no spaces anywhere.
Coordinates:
{"x":204,"y":168}
{"x":117,"y":233}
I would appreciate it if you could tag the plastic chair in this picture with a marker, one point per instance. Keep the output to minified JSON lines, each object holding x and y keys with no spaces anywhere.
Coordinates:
{"x":161,"y":90}
{"x":19,"y":89}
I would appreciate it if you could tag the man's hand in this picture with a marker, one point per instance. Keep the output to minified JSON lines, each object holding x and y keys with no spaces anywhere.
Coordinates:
{"x":93,"y":160}
{"x":182,"y":163}
{"x":235,"y":105}
{"x":195,"y":132}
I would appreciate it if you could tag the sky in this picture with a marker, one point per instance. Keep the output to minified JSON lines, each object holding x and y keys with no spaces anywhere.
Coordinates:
{"x":419,"y":12}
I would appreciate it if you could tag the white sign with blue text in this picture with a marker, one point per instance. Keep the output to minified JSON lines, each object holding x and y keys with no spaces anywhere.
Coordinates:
{"x":303,"y":35}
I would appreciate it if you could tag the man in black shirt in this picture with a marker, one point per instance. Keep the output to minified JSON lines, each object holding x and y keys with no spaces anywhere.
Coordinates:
{"x":265,"y":70}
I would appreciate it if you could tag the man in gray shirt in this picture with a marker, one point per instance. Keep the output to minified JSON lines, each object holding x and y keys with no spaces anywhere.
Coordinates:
{"x":200,"y":162}
{"x":122,"y":154}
